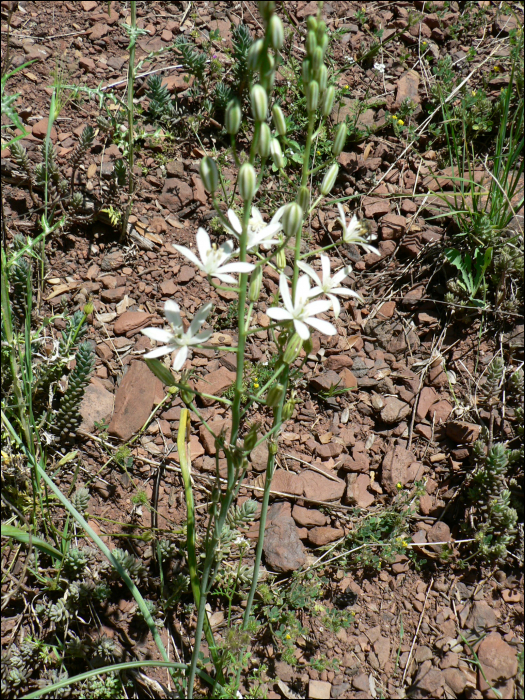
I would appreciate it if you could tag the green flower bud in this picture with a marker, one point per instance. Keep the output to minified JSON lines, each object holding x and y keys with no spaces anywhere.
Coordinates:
{"x":280,"y":260}
{"x":311,"y":23}
{"x":250,"y":439}
{"x":272,"y":447}
{"x":329,"y":179}
{"x":263,"y":142}
{"x":232,"y":117}
{"x":255,"y":284}
{"x":308,"y":346}
{"x":339,"y":139}
{"x":255,"y":54}
{"x":294,"y":347}
{"x":88,"y":308}
{"x":209,"y":174}
{"x":292,"y":219}
{"x":247,"y":181}
{"x":311,"y":43}
{"x":266,"y":8}
{"x":323,"y":43}
{"x":186,"y":396}
{"x":288,"y":409}
{"x":328,"y":101}
{"x":279,"y":120}
{"x":317,"y":58}
{"x":312,"y":96}
{"x":259,"y":101}
{"x":267,"y":66}
{"x":277,"y":154}
{"x":274,"y":396}
{"x":320,"y":31}
{"x":322,"y":77}
{"x":276,"y":32}
{"x":303,"y":198}
{"x":307,"y":72}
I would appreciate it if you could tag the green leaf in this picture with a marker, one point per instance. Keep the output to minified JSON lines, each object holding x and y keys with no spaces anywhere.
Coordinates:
{"x":162,"y":372}
{"x":23,"y":536}
{"x":482,"y":261}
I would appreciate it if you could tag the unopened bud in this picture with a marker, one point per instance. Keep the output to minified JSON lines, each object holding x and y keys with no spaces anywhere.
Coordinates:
{"x":317,"y":58}
{"x":312,"y":96}
{"x":247,"y":181}
{"x":280,"y":260}
{"x":329,"y":179}
{"x":259,"y":101}
{"x":263,"y":142}
{"x":255,"y":284}
{"x":292,"y":219}
{"x":294,"y":347}
{"x":272,"y":447}
{"x":339,"y":139}
{"x":88,"y":308}
{"x":323,"y":43}
{"x":307,"y":72}
{"x":308,"y":346}
{"x":186,"y":396}
{"x":266,"y":8}
{"x":274,"y":395}
{"x":255,"y":54}
{"x":311,"y":23}
{"x":209,"y":174}
{"x":303,"y":198}
{"x":250,"y":439}
{"x":288,"y":410}
{"x":279,"y":120}
{"x":277,"y":154}
{"x":320,"y":31}
{"x":328,"y":101}
{"x":232,"y":117}
{"x":276,"y":32}
{"x":311,"y":43}
{"x":322,"y":77}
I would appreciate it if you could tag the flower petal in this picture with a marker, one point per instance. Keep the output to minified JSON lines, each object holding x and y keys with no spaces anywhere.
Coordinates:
{"x":302,"y":329}
{"x":279,"y":314}
{"x":189,"y":254}
{"x":285,"y":293}
{"x":158,"y":334}
{"x":345,"y":292}
{"x":203,"y":336}
{"x":322,"y":326}
{"x":235,"y":222}
{"x":203,"y":244}
{"x":180,"y":358}
{"x":236,"y":267}
{"x":325,"y":266}
{"x":318,"y":307}
{"x":302,"y":289}
{"x":336,"y":305}
{"x":199,"y":318}
{"x":278,"y":214}
{"x":340,"y":275}
{"x":158,"y":352}
{"x":225,"y":278}
{"x":309,"y":271}
{"x":172,"y":313}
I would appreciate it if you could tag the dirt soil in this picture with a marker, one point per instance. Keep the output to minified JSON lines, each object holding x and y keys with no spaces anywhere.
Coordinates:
{"x":401,"y":436}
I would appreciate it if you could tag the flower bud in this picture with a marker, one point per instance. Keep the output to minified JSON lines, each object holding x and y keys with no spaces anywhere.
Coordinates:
{"x":250,"y":439}
{"x":263,"y":142}
{"x":320,"y":31}
{"x":272,"y":447}
{"x":311,"y":43}
{"x":266,"y":8}
{"x":279,"y":120}
{"x":317,"y":58}
{"x":247,"y":181}
{"x":328,"y":102}
{"x":255,"y":54}
{"x":308,"y":346}
{"x":303,"y":198}
{"x":322,"y":77}
{"x":307,"y":72}
{"x":259,"y":101}
{"x":280,"y":260}
{"x":292,"y":219}
{"x":254,"y":289}
{"x":311,"y":23}
{"x":88,"y":308}
{"x":276,"y":32}
{"x":274,"y":395}
{"x":288,"y":410}
{"x":329,"y":179}
{"x":209,"y":174}
{"x":232,"y":117}
{"x":277,"y":154}
{"x":323,"y":43}
{"x":186,"y":396}
{"x":312,"y":96}
{"x":294,"y":347}
{"x":339,"y":139}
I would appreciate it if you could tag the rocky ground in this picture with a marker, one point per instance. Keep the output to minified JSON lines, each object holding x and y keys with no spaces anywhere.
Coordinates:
{"x":401,"y":436}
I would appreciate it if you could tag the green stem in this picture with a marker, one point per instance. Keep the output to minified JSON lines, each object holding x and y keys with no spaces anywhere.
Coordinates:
{"x":304,"y":180}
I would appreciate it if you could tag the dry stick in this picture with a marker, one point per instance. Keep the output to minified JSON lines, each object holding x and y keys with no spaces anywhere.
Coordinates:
{"x":417,"y":632}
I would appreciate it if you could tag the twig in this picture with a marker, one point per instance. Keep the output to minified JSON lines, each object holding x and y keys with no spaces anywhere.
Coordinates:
{"x":417,"y":631}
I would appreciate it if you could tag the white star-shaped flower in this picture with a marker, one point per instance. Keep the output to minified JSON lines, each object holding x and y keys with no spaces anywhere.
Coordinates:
{"x":303,"y":311}
{"x":331,"y":286}
{"x":213,"y":258}
{"x":352,"y":231}
{"x":176,"y":338}
{"x":380,"y":67}
{"x":259,"y":232}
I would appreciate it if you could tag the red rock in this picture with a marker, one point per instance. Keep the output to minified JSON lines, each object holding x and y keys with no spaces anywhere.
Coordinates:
{"x":415,"y":294}
{"x":319,"y":536}
{"x":423,"y":430}
{"x":259,"y":457}
{"x":325,"y":381}
{"x":99,"y":30}
{"x":394,"y":410}
{"x":186,"y":274}
{"x":319,"y":488}
{"x":308,"y":517}
{"x":429,"y":680}
{"x":283,"y":550}
{"x":88,"y":64}
{"x":196,"y":449}
{"x":214,"y":383}
{"x":134,"y":400}
{"x":287,"y":482}
{"x":395,"y":468}
{"x":427,"y":397}
{"x":178,"y":82}
{"x":498,"y":659}
{"x":456,"y":680}
{"x":407,"y":86}
{"x":338,"y":362}
{"x":199,"y":193}
{"x":375,"y":206}
{"x":439,"y":532}
{"x":332,"y":449}
{"x":426,"y":504}
{"x":176,"y":194}
{"x":206,"y":438}
{"x":382,"y":650}
{"x":104,"y":351}
{"x":113,"y":296}
{"x":408,"y":207}
{"x":39,"y":130}
{"x":358,"y":463}
{"x":348,"y":380}
{"x":168,"y":288}
{"x":130,"y":321}
{"x":96,"y":405}
{"x":482,"y":618}
{"x":319,"y":690}
{"x":88,"y":5}
{"x":440,"y":411}
{"x":386,"y":310}
{"x":357,"y":492}
{"x":386,"y":248}
{"x":462,"y":432}
{"x":396,"y":225}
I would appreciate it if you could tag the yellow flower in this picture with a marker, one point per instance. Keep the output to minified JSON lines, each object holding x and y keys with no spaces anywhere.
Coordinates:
{"x":399,"y":485}
{"x":401,"y":122}
{"x":256,"y":385}
{"x":346,"y":86}
{"x":394,"y":116}
{"x":473,"y":93}
{"x":404,"y":543}
{"x":424,"y":43}
{"x":287,"y":636}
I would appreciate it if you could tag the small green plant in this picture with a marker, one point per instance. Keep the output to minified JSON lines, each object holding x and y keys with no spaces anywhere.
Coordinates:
{"x":472,"y":272}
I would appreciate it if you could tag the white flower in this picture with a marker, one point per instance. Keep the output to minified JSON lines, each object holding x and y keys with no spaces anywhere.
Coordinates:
{"x":330,"y":285}
{"x":259,"y":232}
{"x":352,"y":230}
{"x":213,"y":258}
{"x":303,"y":311}
{"x":380,"y":67}
{"x":176,"y":337}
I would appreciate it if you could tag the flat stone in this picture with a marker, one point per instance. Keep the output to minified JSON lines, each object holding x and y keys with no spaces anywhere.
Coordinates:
{"x":407,"y":88}
{"x":462,"y":432}
{"x":207,"y":440}
{"x":386,"y":310}
{"x":113,"y":296}
{"x":482,"y":618}
{"x":186,"y":274}
{"x":338,"y":362}
{"x":498,"y":659}
{"x":98,"y":31}
{"x":429,"y":680}
{"x":283,"y":550}
{"x":130,"y":321}
{"x":427,"y":397}
{"x":176,"y":194}
{"x":332,"y":449}
{"x":168,"y":288}
{"x":375,"y":207}
{"x":456,"y":680}
{"x":96,"y":405}
{"x":440,"y":411}
{"x":422,"y":653}
{"x":287,"y":482}
{"x":259,"y":457}
{"x":134,"y":400}
{"x":359,"y":462}
{"x":319,"y":488}
{"x":320,"y":690}
{"x":348,"y":379}
{"x":382,"y":650}
{"x":357,"y":492}
{"x":308,"y":517}
{"x":394,"y":410}
{"x":395,"y":468}
{"x":39,"y":130}
{"x":214,"y":383}
{"x":319,"y":536}
{"x":325,"y":381}
{"x":439,"y":532}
